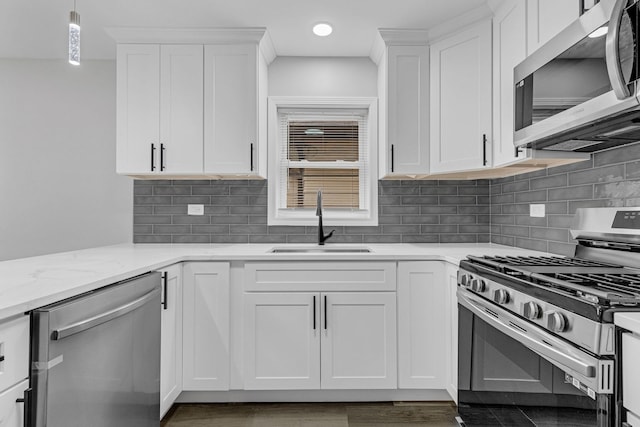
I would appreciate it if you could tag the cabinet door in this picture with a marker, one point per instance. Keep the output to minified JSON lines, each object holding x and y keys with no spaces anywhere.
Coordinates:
{"x":407,"y":139}
{"x":451,"y":277}
{"x":171,"y":338}
{"x":281,"y":341}
{"x":631,"y":372}
{"x":206,"y":326}
{"x":138,"y":108}
{"x":230,"y":109}
{"x":422,"y":291}
{"x":12,"y":412}
{"x":546,"y":18}
{"x":181,"y":109}
{"x":509,"y":49}
{"x":461,"y":100}
{"x":359,"y":340}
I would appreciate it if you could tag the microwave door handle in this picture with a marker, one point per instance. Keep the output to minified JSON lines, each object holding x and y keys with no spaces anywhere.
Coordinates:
{"x":560,"y":355}
{"x":612,"y":54}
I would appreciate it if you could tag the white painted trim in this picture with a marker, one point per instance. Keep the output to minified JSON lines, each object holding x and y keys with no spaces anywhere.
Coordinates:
{"x":138,"y":35}
{"x":330,"y":218}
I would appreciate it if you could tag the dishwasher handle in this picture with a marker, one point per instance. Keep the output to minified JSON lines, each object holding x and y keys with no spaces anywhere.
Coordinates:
{"x":99,"y":319}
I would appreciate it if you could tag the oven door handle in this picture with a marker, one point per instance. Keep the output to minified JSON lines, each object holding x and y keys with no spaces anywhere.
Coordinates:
{"x":536,"y":339}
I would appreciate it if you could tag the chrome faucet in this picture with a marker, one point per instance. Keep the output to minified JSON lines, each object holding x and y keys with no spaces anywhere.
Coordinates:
{"x":321,"y":236}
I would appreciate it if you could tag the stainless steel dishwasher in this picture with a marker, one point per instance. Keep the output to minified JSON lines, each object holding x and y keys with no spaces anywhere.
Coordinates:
{"x":95,"y":358}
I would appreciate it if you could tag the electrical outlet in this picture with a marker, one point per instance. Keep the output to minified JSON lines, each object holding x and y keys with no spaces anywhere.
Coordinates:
{"x":537,"y":211}
{"x":195,"y":209}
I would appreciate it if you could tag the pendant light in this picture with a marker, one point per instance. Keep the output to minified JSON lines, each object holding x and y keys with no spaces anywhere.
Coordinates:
{"x":74,"y":36}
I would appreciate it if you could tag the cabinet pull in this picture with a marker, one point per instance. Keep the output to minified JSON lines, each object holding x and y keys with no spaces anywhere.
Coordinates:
{"x":162,"y":166}
{"x":2,"y":358}
{"x":325,"y":312}
{"x":164,"y":284}
{"x":27,"y":407}
{"x":518,"y":151}
{"x":484,"y":149}
{"x":392,"y":158}
{"x":251,"y":155}
{"x":153,"y":155}
{"x":314,"y":312}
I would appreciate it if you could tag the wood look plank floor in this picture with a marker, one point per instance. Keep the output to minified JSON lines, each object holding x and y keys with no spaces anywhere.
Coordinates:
{"x":376,"y":414}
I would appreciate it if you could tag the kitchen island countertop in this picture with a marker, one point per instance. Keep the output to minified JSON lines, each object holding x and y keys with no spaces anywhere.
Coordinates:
{"x":29,"y":283}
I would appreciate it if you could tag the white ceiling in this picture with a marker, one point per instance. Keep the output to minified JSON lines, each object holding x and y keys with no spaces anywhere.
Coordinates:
{"x":37,"y":28}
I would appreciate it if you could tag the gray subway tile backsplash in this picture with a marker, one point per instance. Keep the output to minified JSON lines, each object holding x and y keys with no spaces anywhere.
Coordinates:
{"x":409,"y":211}
{"x":236,"y":212}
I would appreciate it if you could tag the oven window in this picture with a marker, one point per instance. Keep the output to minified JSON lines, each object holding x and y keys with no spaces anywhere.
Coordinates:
{"x":576,"y":75}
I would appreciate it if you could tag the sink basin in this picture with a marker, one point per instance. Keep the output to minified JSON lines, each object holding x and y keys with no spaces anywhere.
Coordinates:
{"x":319,"y":249}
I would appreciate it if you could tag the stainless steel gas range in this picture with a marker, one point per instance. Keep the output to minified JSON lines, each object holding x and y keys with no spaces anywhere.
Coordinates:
{"x":537,"y":344}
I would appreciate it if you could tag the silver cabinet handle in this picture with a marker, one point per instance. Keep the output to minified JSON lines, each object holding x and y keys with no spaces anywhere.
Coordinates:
{"x":612,"y":55}
{"x":85,"y":324}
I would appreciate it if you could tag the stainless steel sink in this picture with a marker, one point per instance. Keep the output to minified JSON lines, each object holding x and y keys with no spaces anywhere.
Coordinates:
{"x":319,"y":249}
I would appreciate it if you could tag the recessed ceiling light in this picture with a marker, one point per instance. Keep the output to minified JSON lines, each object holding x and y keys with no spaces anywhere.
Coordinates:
{"x":599,"y":32}
{"x":322,"y":29}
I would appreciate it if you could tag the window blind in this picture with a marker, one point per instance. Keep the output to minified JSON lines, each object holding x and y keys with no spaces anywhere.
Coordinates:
{"x":325,"y":151}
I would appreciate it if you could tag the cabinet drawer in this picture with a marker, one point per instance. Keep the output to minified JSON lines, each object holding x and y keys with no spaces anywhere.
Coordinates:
{"x":633,"y":420}
{"x":12,"y":412}
{"x":14,"y":348}
{"x":320,"y":276}
{"x":631,"y":372}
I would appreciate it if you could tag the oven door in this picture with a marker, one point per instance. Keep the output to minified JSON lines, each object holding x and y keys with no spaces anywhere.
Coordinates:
{"x":513,"y":373}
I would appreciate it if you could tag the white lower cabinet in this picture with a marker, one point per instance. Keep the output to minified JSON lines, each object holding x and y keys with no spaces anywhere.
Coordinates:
{"x":423,"y":325}
{"x":281,"y":341}
{"x":358,"y":344}
{"x":331,"y":340}
{"x":206,"y":326}
{"x":631,"y":373}
{"x":451,"y":277}
{"x":171,"y":337}
{"x":11,"y":410}
{"x":320,"y":325}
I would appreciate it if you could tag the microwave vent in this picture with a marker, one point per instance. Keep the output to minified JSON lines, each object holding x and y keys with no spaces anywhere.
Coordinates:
{"x":572,"y":145}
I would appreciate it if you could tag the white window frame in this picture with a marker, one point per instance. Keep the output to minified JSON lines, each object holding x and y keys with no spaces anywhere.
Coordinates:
{"x":336,"y":217}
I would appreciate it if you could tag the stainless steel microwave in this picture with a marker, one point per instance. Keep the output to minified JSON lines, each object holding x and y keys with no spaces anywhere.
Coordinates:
{"x":580,"y":91}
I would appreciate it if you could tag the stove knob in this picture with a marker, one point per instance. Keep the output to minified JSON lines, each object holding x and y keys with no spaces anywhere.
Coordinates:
{"x":557,"y":322}
{"x":531,"y":310}
{"x":501,"y":296}
{"x":478,"y":285}
{"x":465,"y":280}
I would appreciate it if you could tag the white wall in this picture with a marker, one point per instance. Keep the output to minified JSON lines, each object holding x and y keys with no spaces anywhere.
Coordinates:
{"x":323,"y":76}
{"x":58,"y":187}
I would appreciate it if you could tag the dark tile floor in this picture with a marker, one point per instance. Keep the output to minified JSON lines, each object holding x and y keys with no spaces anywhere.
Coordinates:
{"x":389,"y":414}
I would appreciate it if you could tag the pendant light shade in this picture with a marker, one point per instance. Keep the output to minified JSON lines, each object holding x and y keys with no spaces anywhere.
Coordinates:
{"x":74,"y":37}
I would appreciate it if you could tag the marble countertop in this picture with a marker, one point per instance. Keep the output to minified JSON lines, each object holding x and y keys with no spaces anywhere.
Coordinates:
{"x":630,"y":321}
{"x":29,"y":283}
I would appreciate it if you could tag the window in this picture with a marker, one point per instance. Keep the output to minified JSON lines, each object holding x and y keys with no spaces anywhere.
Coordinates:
{"x":327,"y":145}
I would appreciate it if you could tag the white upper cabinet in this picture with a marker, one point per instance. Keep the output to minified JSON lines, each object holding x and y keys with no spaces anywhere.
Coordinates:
{"x":159,"y":109}
{"x":509,"y":49}
{"x":403,"y":88}
{"x":546,"y":18}
{"x":193,"y":103}
{"x":233,"y":87}
{"x":461,"y":100}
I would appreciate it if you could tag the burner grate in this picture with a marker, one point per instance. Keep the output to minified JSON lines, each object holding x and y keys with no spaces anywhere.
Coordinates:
{"x":544,"y":261}
{"x":621,"y":284}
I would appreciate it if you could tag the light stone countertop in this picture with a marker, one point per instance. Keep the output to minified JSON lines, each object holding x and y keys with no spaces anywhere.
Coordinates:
{"x":29,"y":283}
{"x":630,"y":321}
